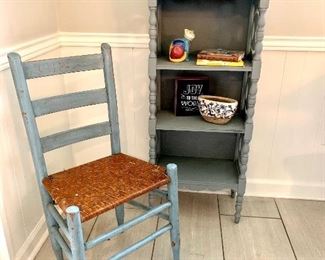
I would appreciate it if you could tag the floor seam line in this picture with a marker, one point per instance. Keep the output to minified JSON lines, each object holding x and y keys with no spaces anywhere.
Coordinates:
{"x":285,"y":229}
{"x":223,"y":249}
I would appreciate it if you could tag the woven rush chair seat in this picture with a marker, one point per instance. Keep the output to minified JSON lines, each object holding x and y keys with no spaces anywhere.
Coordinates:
{"x":101,"y":185}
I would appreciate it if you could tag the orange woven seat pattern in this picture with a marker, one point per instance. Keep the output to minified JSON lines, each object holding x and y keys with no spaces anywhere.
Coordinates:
{"x":101,"y":185}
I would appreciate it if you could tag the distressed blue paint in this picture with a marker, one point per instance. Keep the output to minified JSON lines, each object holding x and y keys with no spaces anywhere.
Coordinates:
{"x":174,"y":210}
{"x":72,"y":227}
{"x":69,"y":101}
{"x":72,"y":136}
{"x":75,"y":230}
{"x":145,"y":208}
{"x":58,"y":237}
{"x":61,"y":222}
{"x":34,"y":142}
{"x":119,"y":212}
{"x":111,"y":96}
{"x":127,"y":225}
{"x":141,"y":243}
{"x":57,"y":66}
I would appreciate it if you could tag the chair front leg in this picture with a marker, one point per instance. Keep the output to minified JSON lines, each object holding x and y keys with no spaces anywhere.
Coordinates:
{"x":174,"y":210}
{"x":76,"y":234}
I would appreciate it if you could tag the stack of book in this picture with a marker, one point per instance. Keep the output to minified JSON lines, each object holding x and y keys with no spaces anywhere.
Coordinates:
{"x":220,"y":57}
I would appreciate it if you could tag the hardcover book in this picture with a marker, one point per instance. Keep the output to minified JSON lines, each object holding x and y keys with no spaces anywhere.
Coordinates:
{"x":187,"y":90}
{"x":221,"y":55}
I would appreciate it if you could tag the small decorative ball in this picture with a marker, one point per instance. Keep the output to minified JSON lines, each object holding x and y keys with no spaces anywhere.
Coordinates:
{"x":177,"y":51}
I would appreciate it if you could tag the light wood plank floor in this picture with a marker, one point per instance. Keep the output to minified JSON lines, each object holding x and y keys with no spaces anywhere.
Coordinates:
{"x":269,"y":229}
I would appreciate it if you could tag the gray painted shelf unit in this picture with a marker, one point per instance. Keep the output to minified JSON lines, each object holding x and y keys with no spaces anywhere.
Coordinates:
{"x":209,"y":157}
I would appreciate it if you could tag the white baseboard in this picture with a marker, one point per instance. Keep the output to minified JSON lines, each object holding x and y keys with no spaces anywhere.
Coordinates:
{"x":34,"y":241}
{"x":285,"y":189}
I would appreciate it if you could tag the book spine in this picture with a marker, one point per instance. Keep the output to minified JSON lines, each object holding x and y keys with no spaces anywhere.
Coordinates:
{"x":217,"y":57}
{"x":219,"y":63}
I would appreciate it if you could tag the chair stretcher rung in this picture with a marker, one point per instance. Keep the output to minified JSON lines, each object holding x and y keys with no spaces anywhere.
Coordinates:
{"x":144,"y":207}
{"x":61,"y":222}
{"x":127,"y":225}
{"x":57,"y":66}
{"x":58,"y":237}
{"x":69,"y":101}
{"x":64,"y":138}
{"x":161,"y":193}
{"x":141,"y":243}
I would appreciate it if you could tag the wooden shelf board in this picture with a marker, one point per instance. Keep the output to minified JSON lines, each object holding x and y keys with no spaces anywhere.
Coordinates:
{"x":168,"y":121}
{"x":199,"y":174}
{"x":164,"y":64}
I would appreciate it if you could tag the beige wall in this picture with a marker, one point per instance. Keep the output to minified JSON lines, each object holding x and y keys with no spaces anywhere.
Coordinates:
{"x":25,"y":20}
{"x":114,"y":16}
{"x":20,"y":212}
{"x":284,"y":17}
{"x":296,"y":18}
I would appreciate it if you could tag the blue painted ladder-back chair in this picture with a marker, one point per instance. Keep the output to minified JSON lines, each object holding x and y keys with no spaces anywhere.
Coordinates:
{"x":86,"y":191}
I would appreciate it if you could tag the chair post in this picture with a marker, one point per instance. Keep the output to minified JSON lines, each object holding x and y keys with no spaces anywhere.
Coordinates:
{"x":174,"y":210}
{"x":119,"y":213}
{"x":113,"y":112}
{"x":33,"y":138}
{"x":76,"y":235}
{"x":51,"y":223}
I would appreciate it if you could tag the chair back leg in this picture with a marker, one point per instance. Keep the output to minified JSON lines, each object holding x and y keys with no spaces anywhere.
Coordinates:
{"x":51,"y":224}
{"x":76,"y":235}
{"x":119,"y":212}
{"x":55,"y":245}
{"x":174,"y":210}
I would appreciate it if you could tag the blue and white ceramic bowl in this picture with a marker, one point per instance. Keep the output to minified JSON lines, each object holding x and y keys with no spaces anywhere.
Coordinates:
{"x":216,"y":109}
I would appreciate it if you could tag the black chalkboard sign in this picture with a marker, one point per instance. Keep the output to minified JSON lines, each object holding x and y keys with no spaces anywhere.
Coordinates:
{"x":187,"y":91}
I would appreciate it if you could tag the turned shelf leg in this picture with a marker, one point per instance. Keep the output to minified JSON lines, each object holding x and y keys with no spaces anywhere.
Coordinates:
{"x":238,"y":207}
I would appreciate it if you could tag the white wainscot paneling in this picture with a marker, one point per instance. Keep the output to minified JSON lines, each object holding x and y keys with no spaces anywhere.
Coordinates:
{"x":288,"y":148}
{"x":130,"y":68}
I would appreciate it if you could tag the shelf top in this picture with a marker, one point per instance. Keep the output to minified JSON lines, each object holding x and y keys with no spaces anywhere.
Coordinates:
{"x":203,"y":173}
{"x":168,"y":121}
{"x":164,"y":64}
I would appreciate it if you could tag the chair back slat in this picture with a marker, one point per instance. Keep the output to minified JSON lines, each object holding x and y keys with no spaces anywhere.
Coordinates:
{"x":57,"y":66}
{"x":72,"y":136}
{"x":22,"y":71}
{"x":69,"y":101}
